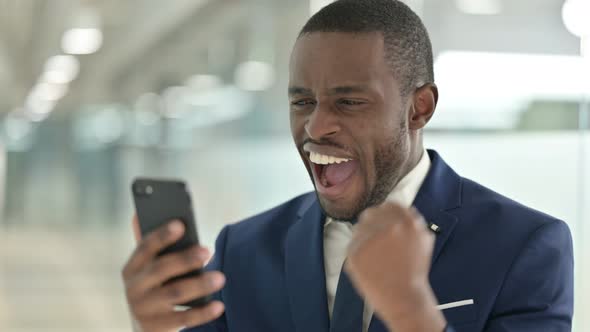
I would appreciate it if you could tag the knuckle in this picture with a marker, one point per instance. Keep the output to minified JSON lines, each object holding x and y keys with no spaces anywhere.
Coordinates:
{"x":191,"y":256}
{"x":188,"y":318}
{"x":125,"y":272}
{"x":169,"y":266}
{"x":394,"y":205}
{"x":134,"y":305}
{"x":129,"y":293}
{"x":135,"y":310}
{"x":405,"y":216}
{"x":143,"y":248}
{"x":419,"y":224}
{"x":367,"y":213}
{"x":132,"y":292}
{"x":158,"y":268}
{"x":174,"y":292}
{"x":391,"y":226}
{"x":417,"y":218}
{"x":201,"y":285}
{"x":393,"y":229}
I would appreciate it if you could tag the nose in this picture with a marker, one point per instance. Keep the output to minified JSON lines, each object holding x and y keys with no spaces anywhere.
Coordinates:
{"x":322,"y":123}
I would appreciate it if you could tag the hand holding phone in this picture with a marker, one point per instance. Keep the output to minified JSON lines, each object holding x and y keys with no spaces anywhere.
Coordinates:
{"x":159,"y":201}
{"x":165,"y":269}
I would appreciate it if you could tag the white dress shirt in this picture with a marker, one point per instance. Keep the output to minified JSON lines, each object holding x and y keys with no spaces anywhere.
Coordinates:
{"x":337,"y":235}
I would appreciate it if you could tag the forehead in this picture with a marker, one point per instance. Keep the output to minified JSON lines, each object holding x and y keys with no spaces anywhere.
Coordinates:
{"x":336,"y":57}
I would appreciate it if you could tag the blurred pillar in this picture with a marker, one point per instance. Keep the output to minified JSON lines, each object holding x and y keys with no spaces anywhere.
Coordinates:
{"x":2,"y":177}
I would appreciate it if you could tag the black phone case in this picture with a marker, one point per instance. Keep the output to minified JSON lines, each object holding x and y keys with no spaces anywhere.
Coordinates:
{"x":159,"y":201}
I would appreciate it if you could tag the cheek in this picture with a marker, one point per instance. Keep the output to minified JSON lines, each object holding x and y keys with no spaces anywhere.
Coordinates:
{"x":367,"y":137}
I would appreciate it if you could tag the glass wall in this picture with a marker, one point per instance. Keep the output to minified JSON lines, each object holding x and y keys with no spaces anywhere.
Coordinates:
{"x":197,"y":90}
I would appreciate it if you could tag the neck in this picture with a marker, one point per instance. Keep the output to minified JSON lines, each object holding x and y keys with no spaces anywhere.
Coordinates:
{"x":416,"y":152}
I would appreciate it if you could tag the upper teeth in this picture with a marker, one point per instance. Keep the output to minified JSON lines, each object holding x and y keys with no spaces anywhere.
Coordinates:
{"x":323,"y":159}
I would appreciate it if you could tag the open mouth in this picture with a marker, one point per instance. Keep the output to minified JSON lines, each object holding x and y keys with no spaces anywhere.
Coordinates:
{"x":332,"y":175}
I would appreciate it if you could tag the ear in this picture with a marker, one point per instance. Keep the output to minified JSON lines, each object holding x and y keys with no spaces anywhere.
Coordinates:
{"x":423,"y":106}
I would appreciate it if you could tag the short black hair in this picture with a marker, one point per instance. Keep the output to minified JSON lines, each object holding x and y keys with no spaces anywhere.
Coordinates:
{"x":407,"y":46}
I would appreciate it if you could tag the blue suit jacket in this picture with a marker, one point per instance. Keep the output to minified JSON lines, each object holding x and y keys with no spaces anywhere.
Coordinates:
{"x":515,"y":263}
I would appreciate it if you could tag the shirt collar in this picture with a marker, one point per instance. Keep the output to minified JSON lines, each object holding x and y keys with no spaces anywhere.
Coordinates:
{"x":405,"y":192}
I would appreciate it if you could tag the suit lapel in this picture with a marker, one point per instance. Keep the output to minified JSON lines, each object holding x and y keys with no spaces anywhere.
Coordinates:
{"x":304,"y":269}
{"x":444,"y":220}
{"x":440,"y":193}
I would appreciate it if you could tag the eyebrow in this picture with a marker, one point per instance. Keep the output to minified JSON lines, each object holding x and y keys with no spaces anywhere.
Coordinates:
{"x":297,"y":90}
{"x":343,"y":90}
{"x":339,"y":90}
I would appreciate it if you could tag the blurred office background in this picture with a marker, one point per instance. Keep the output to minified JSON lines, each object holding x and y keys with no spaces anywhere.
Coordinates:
{"x":94,"y":93}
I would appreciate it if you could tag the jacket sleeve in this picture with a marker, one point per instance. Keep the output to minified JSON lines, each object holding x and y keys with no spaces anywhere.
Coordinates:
{"x":537,"y":294}
{"x":216,"y":264}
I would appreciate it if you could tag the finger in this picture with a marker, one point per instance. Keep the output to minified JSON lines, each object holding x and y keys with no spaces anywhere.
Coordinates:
{"x":183,"y":291}
{"x":414,"y":211}
{"x":135,"y":227}
{"x":354,"y":246}
{"x":151,"y":245}
{"x":419,"y":222}
{"x":359,"y":239}
{"x":374,"y":220}
{"x":402,"y":215}
{"x":350,"y":269}
{"x":393,"y":205}
{"x":365,"y":220}
{"x":189,"y":318}
{"x":172,"y":265}
{"x":362,"y":229}
{"x":416,"y":215}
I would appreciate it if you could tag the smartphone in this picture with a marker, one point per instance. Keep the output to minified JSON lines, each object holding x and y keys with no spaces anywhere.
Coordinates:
{"x":159,"y":201}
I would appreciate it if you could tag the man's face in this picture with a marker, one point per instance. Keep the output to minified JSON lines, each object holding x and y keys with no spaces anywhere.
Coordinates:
{"x":348,"y":119}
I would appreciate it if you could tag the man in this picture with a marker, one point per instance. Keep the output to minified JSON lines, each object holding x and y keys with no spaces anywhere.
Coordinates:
{"x":463,"y":258}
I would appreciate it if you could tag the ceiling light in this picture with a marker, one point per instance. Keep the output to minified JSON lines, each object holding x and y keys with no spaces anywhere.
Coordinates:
{"x":576,"y":14}
{"x":48,"y":91}
{"x":38,"y":110}
{"x":60,"y":69}
{"x":55,"y":77}
{"x":81,"y":41}
{"x":479,"y":7}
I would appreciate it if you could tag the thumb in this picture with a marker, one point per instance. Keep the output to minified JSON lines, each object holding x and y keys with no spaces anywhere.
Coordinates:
{"x":136,"y":230}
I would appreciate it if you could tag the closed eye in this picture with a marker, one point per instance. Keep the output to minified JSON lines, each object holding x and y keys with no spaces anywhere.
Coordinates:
{"x":304,"y":102}
{"x":350,"y":102}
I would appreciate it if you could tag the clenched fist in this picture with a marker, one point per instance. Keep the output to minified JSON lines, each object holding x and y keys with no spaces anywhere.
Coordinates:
{"x":389,"y":261}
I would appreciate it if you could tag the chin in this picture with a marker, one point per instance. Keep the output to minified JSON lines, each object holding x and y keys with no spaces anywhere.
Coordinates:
{"x":342,"y":209}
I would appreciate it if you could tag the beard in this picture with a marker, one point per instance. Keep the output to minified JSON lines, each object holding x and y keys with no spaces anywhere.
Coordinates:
{"x":389,"y":161}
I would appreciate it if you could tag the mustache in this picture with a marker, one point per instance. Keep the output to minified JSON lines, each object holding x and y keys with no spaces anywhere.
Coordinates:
{"x":324,"y":142}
